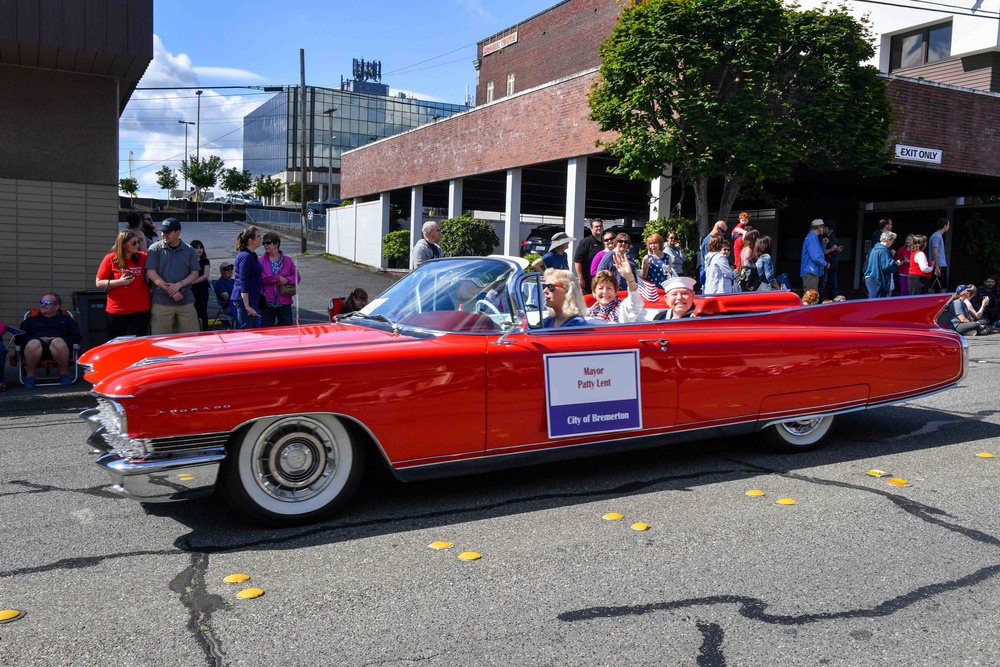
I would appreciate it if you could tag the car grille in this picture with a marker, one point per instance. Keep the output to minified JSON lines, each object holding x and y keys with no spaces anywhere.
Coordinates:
{"x":185,"y":443}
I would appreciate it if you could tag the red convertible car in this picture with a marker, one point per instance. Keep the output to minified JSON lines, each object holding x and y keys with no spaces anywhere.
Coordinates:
{"x":450,"y":372}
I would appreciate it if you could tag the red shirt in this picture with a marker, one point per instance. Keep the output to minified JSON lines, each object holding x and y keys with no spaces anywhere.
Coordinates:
{"x":127,"y":299}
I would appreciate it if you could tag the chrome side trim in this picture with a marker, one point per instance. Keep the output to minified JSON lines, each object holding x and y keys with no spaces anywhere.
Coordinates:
{"x":182,"y":443}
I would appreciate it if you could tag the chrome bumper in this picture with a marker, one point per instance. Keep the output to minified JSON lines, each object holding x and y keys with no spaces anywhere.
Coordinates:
{"x":164,"y":480}
{"x":162,"y":477}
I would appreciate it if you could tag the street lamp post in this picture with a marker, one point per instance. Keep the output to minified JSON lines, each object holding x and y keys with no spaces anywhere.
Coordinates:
{"x":329,"y":184}
{"x":197,"y":155}
{"x":185,"y":123}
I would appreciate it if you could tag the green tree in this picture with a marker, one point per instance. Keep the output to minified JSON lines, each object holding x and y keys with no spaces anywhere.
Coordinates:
{"x":466,"y":235}
{"x":166,"y":179}
{"x":295,"y":192}
{"x":203,"y":173}
{"x":129,"y":186}
{"x":266,"y":187}
{"x":234,"y":180}
{"x":739,"y":90}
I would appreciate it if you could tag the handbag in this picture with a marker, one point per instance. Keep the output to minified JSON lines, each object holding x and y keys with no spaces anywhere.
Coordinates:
{"x":287,"y":290}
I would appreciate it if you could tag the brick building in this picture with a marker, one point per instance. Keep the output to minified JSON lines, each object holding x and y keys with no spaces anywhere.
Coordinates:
{"x":528,"y":147}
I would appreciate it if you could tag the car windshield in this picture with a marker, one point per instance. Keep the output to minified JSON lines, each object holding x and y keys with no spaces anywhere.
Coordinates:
{"x":454,"y":295}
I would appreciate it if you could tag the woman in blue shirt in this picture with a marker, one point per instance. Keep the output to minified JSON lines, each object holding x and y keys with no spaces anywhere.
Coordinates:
{"x":562,"y":296}
{"x":249,"y":280}
{"x":556,"y":257}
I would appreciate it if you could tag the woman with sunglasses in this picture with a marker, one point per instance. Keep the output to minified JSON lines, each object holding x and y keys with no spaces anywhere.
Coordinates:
{"x":609,"y":246}
{"x":563,"y":297}
{"x":609,"y":263}
{"x":122,"y":274}
{"x":278,"y":270}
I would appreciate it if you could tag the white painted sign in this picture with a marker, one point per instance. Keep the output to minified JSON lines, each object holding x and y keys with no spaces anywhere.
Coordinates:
{"x":593,"y":392}
{"x":497,"y":44}
{"x":918,"y":154}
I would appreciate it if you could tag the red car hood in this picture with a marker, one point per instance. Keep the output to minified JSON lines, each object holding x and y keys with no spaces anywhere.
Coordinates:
{"x":107,"y":359}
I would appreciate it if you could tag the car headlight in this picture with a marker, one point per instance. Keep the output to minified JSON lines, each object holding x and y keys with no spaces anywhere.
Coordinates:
{"x":112,"y":415}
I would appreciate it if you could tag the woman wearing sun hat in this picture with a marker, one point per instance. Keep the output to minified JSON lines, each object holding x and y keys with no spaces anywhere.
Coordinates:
{"x":556,"y":257}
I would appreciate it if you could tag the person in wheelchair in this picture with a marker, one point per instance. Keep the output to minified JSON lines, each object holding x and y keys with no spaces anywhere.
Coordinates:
{"x":48,"y":335}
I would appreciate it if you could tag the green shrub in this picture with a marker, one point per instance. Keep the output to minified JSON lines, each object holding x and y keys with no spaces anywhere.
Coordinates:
{"x":466,"y":235}
{"x":396,"y":248}
{"x":531,"y":257}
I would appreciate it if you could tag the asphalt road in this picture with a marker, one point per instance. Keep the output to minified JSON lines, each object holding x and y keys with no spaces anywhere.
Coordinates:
{"x":858,"y":572}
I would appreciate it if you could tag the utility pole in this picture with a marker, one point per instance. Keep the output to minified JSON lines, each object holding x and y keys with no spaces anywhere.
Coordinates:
{"x":302,"y":152}
{"x":185,"y":123}
{"x":329,"y":184}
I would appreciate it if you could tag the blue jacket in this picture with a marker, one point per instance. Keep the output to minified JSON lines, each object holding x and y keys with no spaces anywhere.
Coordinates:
{"x":880,"y":266}
{"x":813,"y":260}
{"x":765,"y":269}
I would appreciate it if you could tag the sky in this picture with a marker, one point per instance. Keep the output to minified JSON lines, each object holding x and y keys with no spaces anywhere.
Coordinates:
{"x":426,"y":48}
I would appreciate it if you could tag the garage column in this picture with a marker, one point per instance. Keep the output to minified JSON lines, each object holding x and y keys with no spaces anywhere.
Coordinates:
{"x":383,"y":201}
{"x":659,"y":204}
{"x":512,"y":214}
{"x":416,"y":217}
{"x":454,"y":197}
{"x":576,"y":196}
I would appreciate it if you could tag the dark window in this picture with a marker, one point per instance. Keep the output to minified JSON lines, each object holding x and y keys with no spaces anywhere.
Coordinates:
{"x":920,"y":47}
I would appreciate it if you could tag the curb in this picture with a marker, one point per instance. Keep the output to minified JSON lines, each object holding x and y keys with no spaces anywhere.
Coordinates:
{"x":18,"y":399}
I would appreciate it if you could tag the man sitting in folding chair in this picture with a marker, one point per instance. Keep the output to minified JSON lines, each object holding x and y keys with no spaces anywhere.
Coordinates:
{"x":50,"y":334}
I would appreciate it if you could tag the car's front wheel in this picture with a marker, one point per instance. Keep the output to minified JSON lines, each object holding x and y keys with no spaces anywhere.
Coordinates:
{"x":292,"y":470}
{"x":798,"y":435}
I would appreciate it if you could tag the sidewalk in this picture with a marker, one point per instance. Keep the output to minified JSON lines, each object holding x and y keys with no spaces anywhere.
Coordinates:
{"x":322,"y":278}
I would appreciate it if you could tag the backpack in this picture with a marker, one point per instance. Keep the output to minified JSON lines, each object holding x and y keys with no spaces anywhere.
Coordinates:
{"x":749,"y":278}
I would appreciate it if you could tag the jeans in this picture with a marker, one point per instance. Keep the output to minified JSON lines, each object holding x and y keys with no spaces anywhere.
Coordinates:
{"x":875,"y":291}
{"x":276,"y":316}
{"x":243,"y":320}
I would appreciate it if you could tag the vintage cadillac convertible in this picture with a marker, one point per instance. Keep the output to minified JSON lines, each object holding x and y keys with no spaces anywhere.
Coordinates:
{"x":449,"y":372}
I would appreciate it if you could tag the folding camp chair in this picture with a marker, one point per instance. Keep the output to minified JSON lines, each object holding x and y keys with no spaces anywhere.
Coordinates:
{"x":224,"y":315}
{"x":336,"y":304}
{"x":47,"y":371}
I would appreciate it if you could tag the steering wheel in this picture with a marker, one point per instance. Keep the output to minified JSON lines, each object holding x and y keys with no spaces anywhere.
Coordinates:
{"x":487,"y":308}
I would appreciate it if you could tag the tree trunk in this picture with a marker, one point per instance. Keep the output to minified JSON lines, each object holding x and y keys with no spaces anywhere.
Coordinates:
{"x":730,"y":191}
{"x":701,"y":206}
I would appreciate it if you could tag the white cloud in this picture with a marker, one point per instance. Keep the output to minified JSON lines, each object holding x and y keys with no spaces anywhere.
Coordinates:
{"x":149,"y":126}
{"x":233,"y":73}
{"x":475,"y":9}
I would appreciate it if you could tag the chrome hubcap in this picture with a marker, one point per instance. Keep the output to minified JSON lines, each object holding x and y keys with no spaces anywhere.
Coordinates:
{"x":802,"y":427}
{"x":295,"y":459}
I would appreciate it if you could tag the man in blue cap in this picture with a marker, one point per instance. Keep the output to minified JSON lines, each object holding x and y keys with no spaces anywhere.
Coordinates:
{"x":171,"y":266}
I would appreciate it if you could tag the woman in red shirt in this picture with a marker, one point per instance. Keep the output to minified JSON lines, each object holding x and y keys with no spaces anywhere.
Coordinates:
{"x":920,"y":268}
{"x":122,"y":275}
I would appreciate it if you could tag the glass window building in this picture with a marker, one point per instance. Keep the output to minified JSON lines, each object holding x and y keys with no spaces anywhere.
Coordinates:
{"x":337,"y":120}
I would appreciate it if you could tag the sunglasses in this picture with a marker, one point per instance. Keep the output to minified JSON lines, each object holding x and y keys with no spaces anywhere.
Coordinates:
{"x":270,"y":243}
{"x":132,"y":242}
{"x":229,"y":269}
{"x":46,"y":302}
{"x":609,"y":239}
{"x":624,"y":242}
{"x":551,"y":287}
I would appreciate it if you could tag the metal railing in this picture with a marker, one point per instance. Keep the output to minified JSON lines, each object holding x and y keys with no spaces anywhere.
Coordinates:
{"x":315,"y":222}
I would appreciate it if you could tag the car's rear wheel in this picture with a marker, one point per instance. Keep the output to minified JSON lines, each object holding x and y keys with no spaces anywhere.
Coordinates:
{"x":292,"y":470}
{"x":798,"y":435}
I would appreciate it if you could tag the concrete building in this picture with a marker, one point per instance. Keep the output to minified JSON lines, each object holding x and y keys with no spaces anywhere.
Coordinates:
{"x":67,"y":69}
{"x":337,"y":120}
{"x":528,"y":147}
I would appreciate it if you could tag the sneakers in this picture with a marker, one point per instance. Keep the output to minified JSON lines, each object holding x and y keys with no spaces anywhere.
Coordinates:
{"x":65,"y":380}
{"x":29,"y":382}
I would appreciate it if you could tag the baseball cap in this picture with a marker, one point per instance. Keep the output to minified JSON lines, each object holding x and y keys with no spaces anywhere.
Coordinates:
{"x":170,"y":225}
